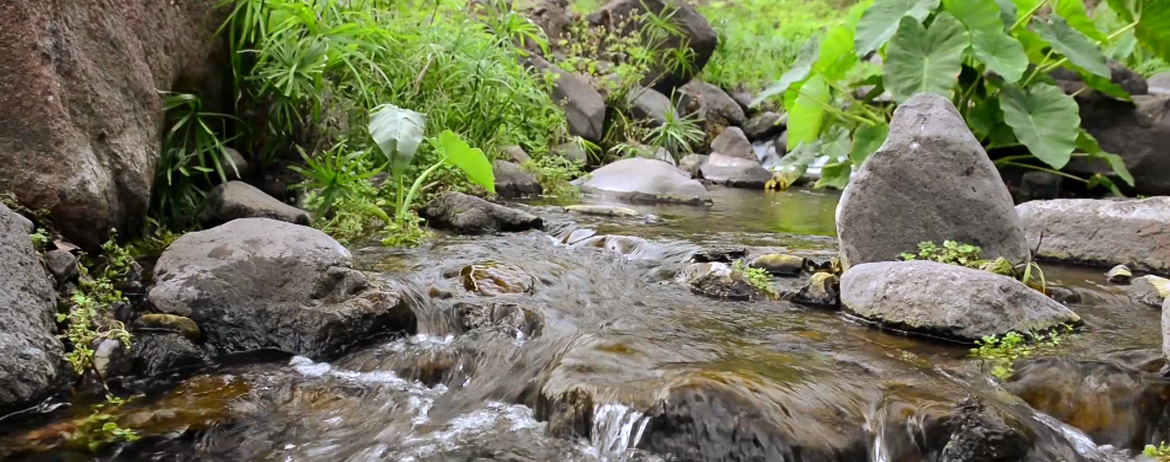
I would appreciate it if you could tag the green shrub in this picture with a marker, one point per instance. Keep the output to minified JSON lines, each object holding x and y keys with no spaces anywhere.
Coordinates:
{"x":990,"y":59}
{"x":1161,"y":452}
{"x":85,"y":315}
{"x":193,"y":158}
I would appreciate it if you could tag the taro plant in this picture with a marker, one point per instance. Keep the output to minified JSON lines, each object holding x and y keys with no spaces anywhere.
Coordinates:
{"x":991,"y":57}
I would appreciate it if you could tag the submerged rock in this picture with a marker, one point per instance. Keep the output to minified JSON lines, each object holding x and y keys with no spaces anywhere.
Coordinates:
{"x":256,"y":284}
{"x":31,"y":363}
{"x":947,"y":301}
{"x":822,"y":289}
{"x":735,"y":172}
{"x":513,"y":181}
{"x":1108,"y":232}
{"x":718,"y":280}
{"x":980,"y":435}
{"x":731,"y":142}
{"x":719,"y":255}
{"x":645,"y":180}
{"x":236,"y":199}
{"x":466,"y":214}
{"x":930,"y":181}
{"x":1150,"y":290}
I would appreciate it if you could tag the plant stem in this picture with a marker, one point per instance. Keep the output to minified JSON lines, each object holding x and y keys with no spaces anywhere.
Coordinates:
{"x":1036,"y":70}
{"x":401,"y":215}
{"x":1044,"y":169}
{"x":1123,"y":30}
{"x":837,"y":112}
{"x":1027,"y":16}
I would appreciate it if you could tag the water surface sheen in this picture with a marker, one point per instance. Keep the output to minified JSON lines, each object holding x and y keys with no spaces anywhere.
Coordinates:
{"x":592,"y":351}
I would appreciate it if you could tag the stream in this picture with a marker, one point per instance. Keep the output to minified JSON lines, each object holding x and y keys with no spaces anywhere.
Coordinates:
{"x":578,"y":344}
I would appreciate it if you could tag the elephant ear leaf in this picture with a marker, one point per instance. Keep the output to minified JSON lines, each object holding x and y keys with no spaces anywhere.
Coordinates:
{"x":883,"y":19}
{"x":473,"y":162}
{"x":1002,"y":53}
{"x":925,"y":60}
{"x":1044,"y":119}
{"x":398,"y":132}
{"x":1073,"y":45}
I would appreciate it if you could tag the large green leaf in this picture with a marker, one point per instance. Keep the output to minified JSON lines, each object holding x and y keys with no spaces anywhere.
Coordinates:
{"x":398,"y":133}
{"x":925,"y":60}
{"x":835,"y":175}
{"x":1101,"y":84}
{"x":836,"y":56}
{"x":1007,"y":12}
{"x":1073,"y":12}
{"x":459,"y":154}
{"x":1153,"y":31}
{"x":1044,"y":119}
{"x":977,"y":15}
{"x":879,"y":23}
{"x":1072,"y":44}
{"x":807,"y":114}
{"x":1003,"y":54}
{"x":867,"y":140}
{"x":1089,"y":144}
{"x":797,"y":73}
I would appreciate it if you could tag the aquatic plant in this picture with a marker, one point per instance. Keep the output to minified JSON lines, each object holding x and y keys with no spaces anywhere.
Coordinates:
{"x":758,"y":278}
{"x":1003,"y":351}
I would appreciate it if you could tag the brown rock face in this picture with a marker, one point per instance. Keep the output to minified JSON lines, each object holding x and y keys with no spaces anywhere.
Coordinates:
{"x":81,"y":118}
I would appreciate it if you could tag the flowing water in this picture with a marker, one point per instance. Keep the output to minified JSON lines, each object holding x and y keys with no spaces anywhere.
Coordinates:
{"x":578,"y":344}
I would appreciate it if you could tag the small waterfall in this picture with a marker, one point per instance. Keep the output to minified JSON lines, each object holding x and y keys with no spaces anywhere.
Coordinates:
{"x":616,"y":429}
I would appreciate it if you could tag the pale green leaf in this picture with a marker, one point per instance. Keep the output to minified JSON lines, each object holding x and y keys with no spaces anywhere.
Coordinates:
{"x":835,"y":175}
{"x":879,"y":23}
{"x":1089,"y":144}
{"x":1044,"y":119}
{"x":1073,"y":45}
{"x":1101,"y":84}
{"x":1007,"y":12}
{"x":799,"y":71}
{"x":836,"y":56}
{"x":1074,"y":13}
{"x":977,"y":15}
{"x":807,"y":115}
{"x":1003,"y":54}
{"x":925,"y":60}
{"x":867,"y":140}
{"x":459,"y":154}
{"x":1153,"y":31}
{"x":398,"y":133}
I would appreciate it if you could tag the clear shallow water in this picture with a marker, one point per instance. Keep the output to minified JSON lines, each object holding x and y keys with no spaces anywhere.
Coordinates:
{"x":593,"y":352}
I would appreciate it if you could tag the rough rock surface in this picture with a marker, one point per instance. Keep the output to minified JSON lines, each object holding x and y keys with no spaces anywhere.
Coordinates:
{"x":765,"y":126}
{"x":1166,"y":328}
{"x":466,"y":214}
{"x":158,"y":353}
{"x":780,"y":264}
{"x":930,"y":181}
{"x":584,"y":106}
{"x":696,"y":33}
{"x":1138,"y":134}
{"x":1150,"y":290}
{"x":82,"y":124}
{"x":31,"y":364}
{"x":822,"y":289}
{"x":710,"y":103}
{"x":572,"y":152}
{"x":645,"y":180}
{"x":718,"y":280}
{"x":947,"y":301}
{"x":257,"y":283}
{"x":733,"y":143}
{"x":735,"y":172}
{"x":649,"y":105}
{"x":691,"y":164}
{"x":513,"y":181}
{"x":1106,"y":232}
{"x":236,"y":199}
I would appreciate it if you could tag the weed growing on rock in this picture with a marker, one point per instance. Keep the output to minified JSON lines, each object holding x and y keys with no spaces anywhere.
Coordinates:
{"x":1003,"y":351}
{"x":554,"y":173}
{"x":40,"y":239}
{"x":85,"y":315}
{"x":970,"y":256}
{"x":758,"y":278}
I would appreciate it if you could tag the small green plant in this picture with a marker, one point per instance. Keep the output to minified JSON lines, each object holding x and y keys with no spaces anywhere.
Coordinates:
{"x":1160,"y":453}
{"x":193,"y":158}
{"x":554,"y":173}
{"x":970,"y":256}
{"x":84,"y":315}
{"x":678,"y":135}
{"x":40,"y":239}
{"x":99,"y":430}
{"x":1003,"y":351}
{"x":756,"y":277}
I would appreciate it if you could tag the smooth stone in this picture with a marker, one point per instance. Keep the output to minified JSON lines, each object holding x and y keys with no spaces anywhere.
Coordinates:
{"x":645,"y":181}
{"x":62,"y":265}
{"x":1120,"y":274}
{"x":710,"y":103}
{"x":513,"y":181}
{"x":467,"y":214}
{"x":947,"y":301}
{"x":572,"y":151}
{"x":236,"y":199}
{"x":733,"y":143}
{"x":930,"y":181}
{"x":517,"y":154}
{"x":691,"y":165}
{"x":1159,"y":84}
{"x":735,"y":172}
{"x":1150,"y":290}
{"x":765,"y":126}
{"x":718,"y":280}
{"x":780,"y":264}
{"x":649,"y":105}
{"x":1102,"y":232}
{"x":584,"y":106}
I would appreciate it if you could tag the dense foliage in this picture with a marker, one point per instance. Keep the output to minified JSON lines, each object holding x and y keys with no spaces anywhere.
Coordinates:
{"x":991,"y":57}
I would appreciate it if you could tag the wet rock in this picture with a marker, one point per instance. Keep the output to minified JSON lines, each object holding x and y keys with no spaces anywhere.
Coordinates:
{"x":765,"y":126}
{"x":82,"y":128}
{"x":168,"y":322}
{"x":1112,"y":403}
{"x":691,"y":165}
{"x":513,"y":181}
{"x":1166,"y":327}
{"x":490,"y":280}
{"x":822,"y":289}
{"x":765,"y":152}
{"x":302,"y":295}
{"x":1120,"y":274}
{"x":584,"y":106}
{"x":573,"y":152}
{"x":236,"y":199}
{"x":735,"y":172}
{"x":62,"y":265}
{"x":696,"y":33}
{"x":649,"y":105}
{"x":523,"y":322}
{"x":1138,"y":132}
{"x":616,"y":211}
{"x":466,"y":214}
{"x":710,"y":103}
{"x":930,"y":181}
{"x":718,"y":280}
{"x":947,"y":301}
{"x":732,"y":142}
{"x":111,"y":358}
{"x":31,"y":365}
{"x":645,"y":180}
{"x":1150,"y":290}
{"x":720,"y":255}
{"x":981,"y":435}
{"x":779,"y":264}
{"x":1159,"y":85}
{"x":1107,"y":232}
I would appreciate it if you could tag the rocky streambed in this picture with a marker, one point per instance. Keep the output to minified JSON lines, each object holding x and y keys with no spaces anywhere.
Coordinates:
{"x":578,"y":343}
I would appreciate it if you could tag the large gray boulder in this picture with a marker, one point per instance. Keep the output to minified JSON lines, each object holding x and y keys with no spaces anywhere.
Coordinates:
{"x":1138,"y":132}
{"x":620,"y":16}
{"x":467,"y":214}
{"x":947,"y":301}
{"x":645,"y":180}
{"x":930,"y":181}
{"x":257,"y":283}
{"x":734,"y":143}
{"x":584,"y":106}
{"x":710,"y":103}
{"x":236,"y":199}
{"x":735,"y":172}
{"x":31,"y":365}
{"x":1106,"y":232}
{"x":649,"y":105}
{"x":513,"y":181}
